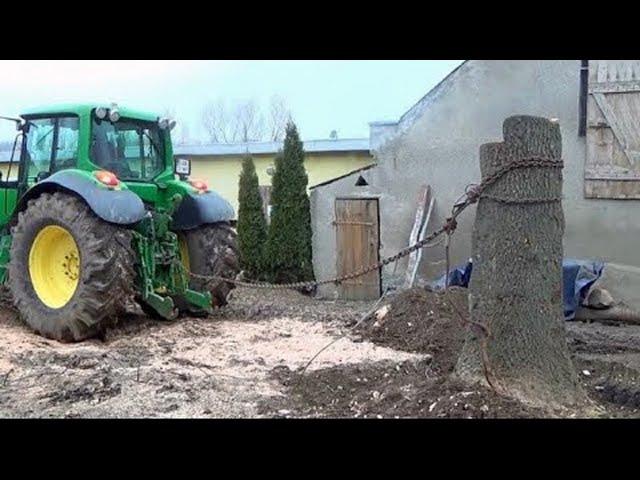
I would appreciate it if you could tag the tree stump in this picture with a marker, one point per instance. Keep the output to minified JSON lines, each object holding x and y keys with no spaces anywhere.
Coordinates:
{"x":516,"y":342}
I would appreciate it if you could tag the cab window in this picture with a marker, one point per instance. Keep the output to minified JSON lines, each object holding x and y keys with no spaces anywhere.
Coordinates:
{"x":132,"y":149}
{"x":51,"y":144}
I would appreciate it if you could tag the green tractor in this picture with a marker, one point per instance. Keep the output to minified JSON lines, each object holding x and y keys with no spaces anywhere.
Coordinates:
{"x":96,"y":218}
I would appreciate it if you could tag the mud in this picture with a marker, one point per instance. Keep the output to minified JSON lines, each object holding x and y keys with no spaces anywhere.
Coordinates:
{"x":193,"y":367}
{"x":410,"y":389}
{"x":607,"y":358}
{"x":417,"y":321}
{"x":248,"y":360}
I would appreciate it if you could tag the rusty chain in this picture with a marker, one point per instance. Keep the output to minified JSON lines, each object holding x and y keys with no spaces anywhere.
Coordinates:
{"x":471,"y":196}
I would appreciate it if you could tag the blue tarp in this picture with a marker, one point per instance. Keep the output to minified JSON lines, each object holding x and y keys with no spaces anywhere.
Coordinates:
{"x":577,"y":278}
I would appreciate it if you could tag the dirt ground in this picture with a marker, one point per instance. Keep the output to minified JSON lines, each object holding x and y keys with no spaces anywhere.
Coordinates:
{"x":248,"y":360}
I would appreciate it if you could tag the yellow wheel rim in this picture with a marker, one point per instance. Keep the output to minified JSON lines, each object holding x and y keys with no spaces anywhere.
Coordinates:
{"x":184,"y":251}
{"x":54,"y":266}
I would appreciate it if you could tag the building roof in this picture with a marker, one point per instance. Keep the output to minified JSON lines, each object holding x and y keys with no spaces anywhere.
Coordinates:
{"x":383,"y":123}
{"x":5,"y":155}
{"x":335,"y":179}
{"x":315,"y":146}
{"x":221,"y":149}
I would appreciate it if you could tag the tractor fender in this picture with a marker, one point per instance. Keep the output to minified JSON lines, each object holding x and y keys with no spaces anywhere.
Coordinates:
{"x":200,"y":209}
{"x":120,"y":206}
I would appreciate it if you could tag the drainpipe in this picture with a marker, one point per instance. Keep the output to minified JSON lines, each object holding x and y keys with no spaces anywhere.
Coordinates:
{"x":584,"y":89}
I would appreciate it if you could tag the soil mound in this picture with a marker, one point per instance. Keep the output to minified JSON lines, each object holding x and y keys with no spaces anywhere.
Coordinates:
{"x":421,"y":321}
{"x":417,"y":321}
{"x":386,"y":390}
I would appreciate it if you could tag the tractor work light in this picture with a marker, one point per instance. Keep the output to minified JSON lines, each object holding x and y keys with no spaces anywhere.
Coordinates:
{"x":107,"y":178}
{"x":101,"y":113}
{"x":200,"y":185}
{"x":163,"y":123}
{"x":172,"y":124}
{"x":114,"y":115}
{"x":183,"y":167}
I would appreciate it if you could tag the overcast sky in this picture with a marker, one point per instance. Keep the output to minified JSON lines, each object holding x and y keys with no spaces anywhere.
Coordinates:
{"x":322,"y":95}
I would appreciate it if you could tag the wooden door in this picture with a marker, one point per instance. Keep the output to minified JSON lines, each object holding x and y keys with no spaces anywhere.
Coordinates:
{"x":357,"y":243}
{"x":612,"y":167}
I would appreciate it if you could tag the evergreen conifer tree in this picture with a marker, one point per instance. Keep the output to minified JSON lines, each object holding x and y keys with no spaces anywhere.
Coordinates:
{"x":252,"y":226}
{"x":288,"y":248}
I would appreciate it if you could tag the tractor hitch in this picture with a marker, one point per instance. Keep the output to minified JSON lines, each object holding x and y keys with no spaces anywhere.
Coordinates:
{"x":162,"y":279}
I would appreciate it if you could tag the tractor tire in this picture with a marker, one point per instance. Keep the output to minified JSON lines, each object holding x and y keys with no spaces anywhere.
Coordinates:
{"x":70,"y":273}
{"x":212,"y":251}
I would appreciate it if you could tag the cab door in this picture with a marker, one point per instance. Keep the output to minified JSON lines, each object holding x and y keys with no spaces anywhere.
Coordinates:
{"x":48,"y":145}
{"x":9,"y":183}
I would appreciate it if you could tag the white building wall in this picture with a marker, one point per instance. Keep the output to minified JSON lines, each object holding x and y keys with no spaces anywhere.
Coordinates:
{"x":437,"y":143}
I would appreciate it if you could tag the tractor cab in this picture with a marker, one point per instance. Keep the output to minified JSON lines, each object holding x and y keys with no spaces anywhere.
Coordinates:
{"x":81,"y":170}
{"x":132,"y":146}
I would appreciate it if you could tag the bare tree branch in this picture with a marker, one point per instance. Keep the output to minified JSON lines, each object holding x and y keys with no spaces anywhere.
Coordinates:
{"x":216,"y":121}
{"x":279,"y":115}
{"x":244,"y":121}
{"x":248,"y":122}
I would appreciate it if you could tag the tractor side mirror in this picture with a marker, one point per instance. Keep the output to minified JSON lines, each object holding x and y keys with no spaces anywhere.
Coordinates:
{"x":183,"y":168}
{"x":41,"y":176}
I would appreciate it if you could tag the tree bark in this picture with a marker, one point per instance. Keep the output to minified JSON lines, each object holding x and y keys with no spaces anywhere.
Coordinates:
{"x":516,"y":286}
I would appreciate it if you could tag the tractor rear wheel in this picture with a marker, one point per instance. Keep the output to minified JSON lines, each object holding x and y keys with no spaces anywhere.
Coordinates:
{"x":70,"y":273}
{"x":211,"y":250}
